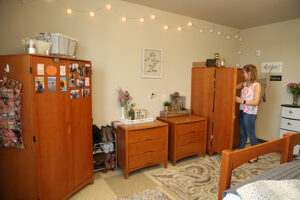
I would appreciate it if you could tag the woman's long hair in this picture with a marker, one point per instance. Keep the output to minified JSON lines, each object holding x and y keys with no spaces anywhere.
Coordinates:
{"x":253,"y":70}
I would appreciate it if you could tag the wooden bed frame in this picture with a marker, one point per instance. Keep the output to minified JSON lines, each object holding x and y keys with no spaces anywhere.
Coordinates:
{"x":231,"y":160}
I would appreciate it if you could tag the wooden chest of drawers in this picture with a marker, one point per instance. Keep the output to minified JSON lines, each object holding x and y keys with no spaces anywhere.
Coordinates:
{"x":141,"y":145}
{"x":187,"y":136}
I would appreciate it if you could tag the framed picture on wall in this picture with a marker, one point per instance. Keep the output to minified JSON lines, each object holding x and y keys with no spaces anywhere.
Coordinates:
{"x":152,"y":63}
{"x":140,"y":114}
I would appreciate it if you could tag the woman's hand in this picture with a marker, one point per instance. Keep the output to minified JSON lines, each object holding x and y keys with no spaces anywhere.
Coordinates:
{"x":239,"y":100}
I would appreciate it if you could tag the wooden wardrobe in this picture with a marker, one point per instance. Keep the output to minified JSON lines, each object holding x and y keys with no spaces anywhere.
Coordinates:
{"x":57,"y":133}
{"x":213,"y":96}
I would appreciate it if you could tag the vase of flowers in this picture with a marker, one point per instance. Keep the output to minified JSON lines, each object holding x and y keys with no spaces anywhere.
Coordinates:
{"x":124,"y":98}
{"x":294,"y":89}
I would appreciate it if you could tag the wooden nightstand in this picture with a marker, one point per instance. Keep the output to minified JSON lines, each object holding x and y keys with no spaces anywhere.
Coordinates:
{"x":141,"y":145}
{"x":187,"y":136}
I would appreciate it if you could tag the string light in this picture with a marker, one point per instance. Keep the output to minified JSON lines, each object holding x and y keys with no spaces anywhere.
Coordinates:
{"x":239,"y":52}
{"x":124,"y":19}
{"x":92,"y":14}
{"x":69,"y":11}
{"x":152,"y":16}
{"x":108,"y":6}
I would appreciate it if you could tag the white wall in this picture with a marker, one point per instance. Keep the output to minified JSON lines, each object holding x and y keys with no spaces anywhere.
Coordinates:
{"x":277,"y":42}
{"x":115,"y":48}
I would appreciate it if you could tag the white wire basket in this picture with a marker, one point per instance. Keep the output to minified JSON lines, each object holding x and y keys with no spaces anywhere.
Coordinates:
{"x":62,"y":45}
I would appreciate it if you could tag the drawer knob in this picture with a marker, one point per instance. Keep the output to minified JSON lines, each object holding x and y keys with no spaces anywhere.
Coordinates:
{"x":289,"y":123}
{"x":291,"y":112}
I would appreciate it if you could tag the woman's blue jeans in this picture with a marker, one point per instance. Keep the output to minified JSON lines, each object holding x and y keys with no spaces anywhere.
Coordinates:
{"x":247,"y":128}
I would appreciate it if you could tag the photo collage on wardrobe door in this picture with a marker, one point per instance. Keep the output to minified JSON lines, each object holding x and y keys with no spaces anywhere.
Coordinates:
{"x":78,"y":79}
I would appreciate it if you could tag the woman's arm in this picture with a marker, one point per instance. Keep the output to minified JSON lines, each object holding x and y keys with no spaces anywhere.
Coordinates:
{"x":255,"y":101}
{"x":240,"y":85}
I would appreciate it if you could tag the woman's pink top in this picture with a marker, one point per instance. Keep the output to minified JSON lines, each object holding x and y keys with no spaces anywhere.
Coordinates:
{"x":248,"y":95}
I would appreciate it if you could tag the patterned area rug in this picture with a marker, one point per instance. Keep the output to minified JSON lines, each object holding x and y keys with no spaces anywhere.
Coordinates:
{"x":147,"y":195}
{"x":200,"y":180}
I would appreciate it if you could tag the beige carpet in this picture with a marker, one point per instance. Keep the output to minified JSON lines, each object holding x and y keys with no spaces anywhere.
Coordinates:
{"x":147,"y":195}
{"x":200,"y":180}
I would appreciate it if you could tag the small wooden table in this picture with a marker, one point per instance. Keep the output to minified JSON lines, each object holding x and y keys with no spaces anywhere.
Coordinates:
{"x":141,"y":145}
{"x":187,"y":136}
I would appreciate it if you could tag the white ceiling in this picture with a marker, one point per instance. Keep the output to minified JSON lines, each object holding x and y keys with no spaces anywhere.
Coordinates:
{"x":235,"y":13}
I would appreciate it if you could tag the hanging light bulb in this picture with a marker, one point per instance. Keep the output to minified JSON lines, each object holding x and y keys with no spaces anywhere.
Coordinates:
{"x":239,"y":52}
{"x":152,"y":16}
{"x":92,"y":14}
{"x":142,"y":20}
{"x":201,"y":30}
{"x":190,"y":24}
{"x":211,"y":30}
{"x":69,"y":11}
{"x":236,"y":36}
{"x":179,"y":28}
{"x":108,"y":6}
{"x":228,"y":37}
{"x":124,"y":19}
{"x":219,"y":33}
{"x":166,"y":27}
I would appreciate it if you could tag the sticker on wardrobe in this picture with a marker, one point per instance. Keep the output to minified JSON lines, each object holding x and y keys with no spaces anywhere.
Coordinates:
{"x":51,"y":84}
{"x":74,"y":94}
{"x":39,"y":85}
{"x":63,"y":84}
{"x":72,"y":81}
{"x":85,"y":93}
{"x":40,"y":69}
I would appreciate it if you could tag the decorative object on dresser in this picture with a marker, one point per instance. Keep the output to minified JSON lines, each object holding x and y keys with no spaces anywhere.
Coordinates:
{"x":187,"y":136}
{"x":124,"y":98}
{"x":294,"y":89}
{"x":290,"y":122}
{"x":167,"y":105}
{"x":213,"y":91}
{"x":57,"y":132}
{"x":141,"y":145}
{"x":177,"y":106}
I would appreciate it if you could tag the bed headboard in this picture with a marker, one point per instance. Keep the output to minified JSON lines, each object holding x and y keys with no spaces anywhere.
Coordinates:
{"x":231,"y":160}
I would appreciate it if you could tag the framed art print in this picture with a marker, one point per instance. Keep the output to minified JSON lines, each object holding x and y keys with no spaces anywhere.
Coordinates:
{"x":152,"y":63}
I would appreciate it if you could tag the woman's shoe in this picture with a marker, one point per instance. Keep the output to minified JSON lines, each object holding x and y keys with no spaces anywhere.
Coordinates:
{"x":113,"y":161}
{"x":253,"y":160}
{"x":108,"y":161}
{"x":109,"y":134}
{"x":104,"y":135}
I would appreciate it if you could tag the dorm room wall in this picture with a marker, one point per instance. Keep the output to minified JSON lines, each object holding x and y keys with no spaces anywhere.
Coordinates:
{"x":277,"y":42}
{"x":115,"y":48}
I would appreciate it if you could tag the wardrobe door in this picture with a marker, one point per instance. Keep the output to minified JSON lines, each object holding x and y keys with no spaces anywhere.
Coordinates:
{"x":224,"y":109}
{"x":202,"y":96}
{"x":236,"y":137}
{"x":50,"y":130}
{"x":81,"y":130}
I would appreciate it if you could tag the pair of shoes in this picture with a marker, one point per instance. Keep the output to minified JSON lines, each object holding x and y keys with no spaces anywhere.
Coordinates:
{"x":107,"y":147}
{"x":99,"y":159}
{"x":97,"y":135}
{"x":253,"y":160}
{"x":107,"y":135}
{"x":110,"y":161}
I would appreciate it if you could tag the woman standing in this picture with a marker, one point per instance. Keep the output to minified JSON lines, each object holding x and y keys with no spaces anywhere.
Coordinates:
{"x":249,"y":100}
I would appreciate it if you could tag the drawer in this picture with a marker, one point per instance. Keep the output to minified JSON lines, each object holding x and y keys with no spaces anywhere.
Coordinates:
{"x":146,"y":159}
{"x":282,"y":132}
{"x":291,"y":113}
{"x":189,"y":149}
{"x":145,"y":146}
{"x":289,"y":124}
{"x":146,"y":134}
{"x":190,"y":138}
{"x":191,"y":127}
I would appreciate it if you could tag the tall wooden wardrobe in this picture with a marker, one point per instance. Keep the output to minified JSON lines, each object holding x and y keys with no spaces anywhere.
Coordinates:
{"x":57,"y":131}
{"x":213,"y":96}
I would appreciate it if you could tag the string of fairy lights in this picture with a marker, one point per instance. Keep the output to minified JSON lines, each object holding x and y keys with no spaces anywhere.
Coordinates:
{"x":151,"y":16}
